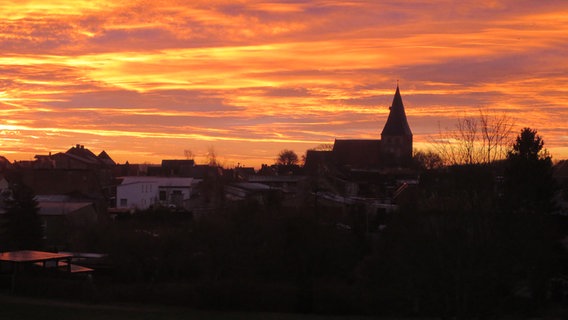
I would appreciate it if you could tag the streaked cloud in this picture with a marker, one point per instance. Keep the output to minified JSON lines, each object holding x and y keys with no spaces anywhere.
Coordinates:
{"x":249,"y":78}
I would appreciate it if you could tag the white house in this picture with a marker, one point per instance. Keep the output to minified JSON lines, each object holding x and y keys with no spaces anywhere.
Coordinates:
{"x":140,"y":193}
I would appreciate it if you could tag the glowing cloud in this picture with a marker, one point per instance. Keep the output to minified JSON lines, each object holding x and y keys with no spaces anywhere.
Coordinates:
{"x":250,"y":78}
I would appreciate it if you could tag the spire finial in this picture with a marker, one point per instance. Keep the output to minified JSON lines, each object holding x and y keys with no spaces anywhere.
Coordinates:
{"x":397,"y":83}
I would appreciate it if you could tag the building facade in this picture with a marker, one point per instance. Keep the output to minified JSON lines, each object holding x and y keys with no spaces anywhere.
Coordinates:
{"x":142,"y":192}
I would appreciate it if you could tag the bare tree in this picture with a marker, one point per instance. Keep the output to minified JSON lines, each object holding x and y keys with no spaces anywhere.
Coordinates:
{"x":467,"y":134}
{"x":475,"y":140}
{"x":287,"y":158}
{"x":188,"y":154}
{"x":212,"y":157}
{"x":456,"y":146}
{"x":496,"y":131}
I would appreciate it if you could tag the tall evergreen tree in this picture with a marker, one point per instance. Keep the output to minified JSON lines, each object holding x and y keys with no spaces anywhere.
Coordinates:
{"x":529,"y":184}
{"x":23,"y":225}
{"x":530,"y":231}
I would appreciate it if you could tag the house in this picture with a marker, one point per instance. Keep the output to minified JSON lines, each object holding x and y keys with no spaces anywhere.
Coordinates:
{"x":173,"y":168}
{"x":177,"y":167}
{"x":247,"y":190}
{"x":127,"y":169}
{"x":78,"y":171}
{"x":77,"y":157}
{"x":143,"y":192}
{"x":243,"y":173}
{"x":63,"y":217}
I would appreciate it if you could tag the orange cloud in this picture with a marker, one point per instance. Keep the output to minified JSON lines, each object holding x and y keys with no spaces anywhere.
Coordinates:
{"x":254,"y":77}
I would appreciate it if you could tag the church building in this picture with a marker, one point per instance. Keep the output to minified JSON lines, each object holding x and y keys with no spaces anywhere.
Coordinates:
{"x":393,"y":150}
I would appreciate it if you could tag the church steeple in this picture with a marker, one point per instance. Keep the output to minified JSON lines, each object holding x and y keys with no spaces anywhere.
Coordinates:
{"x":396,"y":122}
{"x":396,"y":138}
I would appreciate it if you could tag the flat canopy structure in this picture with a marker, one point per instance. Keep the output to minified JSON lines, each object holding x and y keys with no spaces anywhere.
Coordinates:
{"x":21,"y":260}
{"x":43,"y":259}
{"x":33,"y":256}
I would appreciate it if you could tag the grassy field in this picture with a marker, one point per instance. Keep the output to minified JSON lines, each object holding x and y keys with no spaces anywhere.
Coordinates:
{"x":24,"y":308}
{"x":21,"y":308}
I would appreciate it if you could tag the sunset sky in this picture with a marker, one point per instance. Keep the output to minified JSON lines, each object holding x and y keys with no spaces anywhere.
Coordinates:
{"x":146,"y":80}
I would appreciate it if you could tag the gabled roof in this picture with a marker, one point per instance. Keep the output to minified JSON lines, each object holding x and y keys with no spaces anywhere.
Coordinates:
{"x":4,"y":163}
{"x":397,"y":124}
{"x":75,"y":157}
{"x":106,"y":158}
{"x":81,"y":152}
{"x":61,"y":208}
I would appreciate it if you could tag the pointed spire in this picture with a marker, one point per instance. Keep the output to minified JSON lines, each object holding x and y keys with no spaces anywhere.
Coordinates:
{"x":397,"y":124}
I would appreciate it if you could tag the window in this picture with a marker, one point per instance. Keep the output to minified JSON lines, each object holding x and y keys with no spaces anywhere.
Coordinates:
{"x":123,"y":202}
{"x":163,"y":196}
{"x":44,"y":229}
{"x":177,"y":197}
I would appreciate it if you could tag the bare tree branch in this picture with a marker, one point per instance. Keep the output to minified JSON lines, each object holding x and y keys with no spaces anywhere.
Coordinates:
{"x":474,"y":140}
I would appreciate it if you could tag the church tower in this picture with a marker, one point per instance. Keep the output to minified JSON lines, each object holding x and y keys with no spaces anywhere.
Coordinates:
{"x":396,"y":138}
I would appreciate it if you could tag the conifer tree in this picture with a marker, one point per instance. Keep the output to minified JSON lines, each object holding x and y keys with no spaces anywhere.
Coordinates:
{"x":529,"y":184}
{"x":23,"y":225}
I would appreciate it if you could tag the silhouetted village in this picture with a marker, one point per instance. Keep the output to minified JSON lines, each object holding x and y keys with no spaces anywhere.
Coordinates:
{"x":366,"y":227}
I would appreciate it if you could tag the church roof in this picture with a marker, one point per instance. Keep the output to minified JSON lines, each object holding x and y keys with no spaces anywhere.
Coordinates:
{"x":357,"y":153}
{"x":316,"y":159}
{"x":396,"y":123}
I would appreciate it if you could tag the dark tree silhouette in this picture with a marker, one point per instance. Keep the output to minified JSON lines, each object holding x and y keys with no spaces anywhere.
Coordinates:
{"x":449,"y":252}
{"x":528,"y":145}
{"x":529,"y":189}
{"x":529,"y":183}
{"x":23,"y":225}
{"x":427,"y":160}
{"x":287,"y":158}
